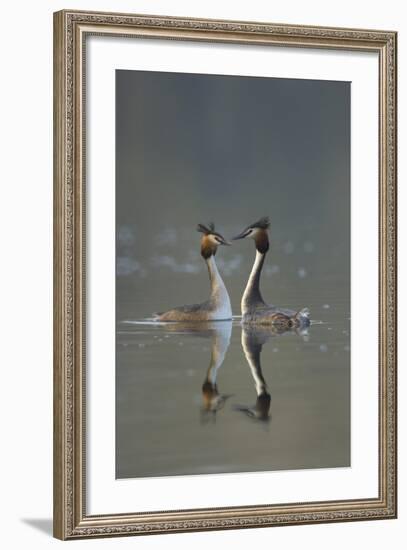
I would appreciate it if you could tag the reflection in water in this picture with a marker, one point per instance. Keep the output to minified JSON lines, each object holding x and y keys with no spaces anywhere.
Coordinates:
{"x":253,"y":339}
{"x":169,"y":382}
{"x":220,"y":333}
{"x":213,"y":401}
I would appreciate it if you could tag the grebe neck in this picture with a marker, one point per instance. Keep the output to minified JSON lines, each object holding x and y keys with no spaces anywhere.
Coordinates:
{"x":219,"y":295}
{"x":252,"y":296}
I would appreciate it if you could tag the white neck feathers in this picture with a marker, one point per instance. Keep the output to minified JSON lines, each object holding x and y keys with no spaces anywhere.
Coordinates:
{"x":252,"y":296}
{"x":219,"y":294}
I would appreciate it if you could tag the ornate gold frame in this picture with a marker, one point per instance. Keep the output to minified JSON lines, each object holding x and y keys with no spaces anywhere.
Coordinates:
{"x":70,"y":31}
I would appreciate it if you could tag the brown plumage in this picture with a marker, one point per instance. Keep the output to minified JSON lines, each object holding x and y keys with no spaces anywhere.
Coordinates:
{"x":261,"y":241}
{"x":208,"y":247}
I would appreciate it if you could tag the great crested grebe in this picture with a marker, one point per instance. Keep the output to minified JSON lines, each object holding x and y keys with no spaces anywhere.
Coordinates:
{"x":218,"y":307}
{"x":254,"y":308}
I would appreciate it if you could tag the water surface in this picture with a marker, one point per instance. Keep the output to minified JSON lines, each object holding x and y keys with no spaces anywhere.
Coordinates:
{"x":218,"y":398}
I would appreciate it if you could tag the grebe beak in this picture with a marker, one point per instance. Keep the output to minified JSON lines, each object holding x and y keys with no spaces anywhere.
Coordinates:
{"x":241,"y":235}
{"x":221,"y":240}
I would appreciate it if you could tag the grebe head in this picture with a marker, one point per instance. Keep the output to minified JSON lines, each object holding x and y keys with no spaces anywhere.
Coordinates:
{"x":210,"y":240}
{"x":257,"y":231}
{"x":209,"y":393}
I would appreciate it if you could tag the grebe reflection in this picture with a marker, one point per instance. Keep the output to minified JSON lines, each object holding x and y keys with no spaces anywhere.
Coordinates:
{"x":253,"y":339}
{"x":220,"y":333}
{"x":212,"y":400}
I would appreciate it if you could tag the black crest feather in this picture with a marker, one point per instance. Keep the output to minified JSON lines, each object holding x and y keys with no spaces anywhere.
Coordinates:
{"x":262,"y":223}
{"x":206,"y":229}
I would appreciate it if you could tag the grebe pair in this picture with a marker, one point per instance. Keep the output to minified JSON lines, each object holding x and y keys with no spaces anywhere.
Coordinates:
{"x":254,"y":309}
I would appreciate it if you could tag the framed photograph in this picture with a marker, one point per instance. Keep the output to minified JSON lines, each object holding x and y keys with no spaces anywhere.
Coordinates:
{"x":225,"y":274}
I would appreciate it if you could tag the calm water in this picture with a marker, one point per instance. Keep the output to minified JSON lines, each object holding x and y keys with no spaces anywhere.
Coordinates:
{"x":214,"y":398}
